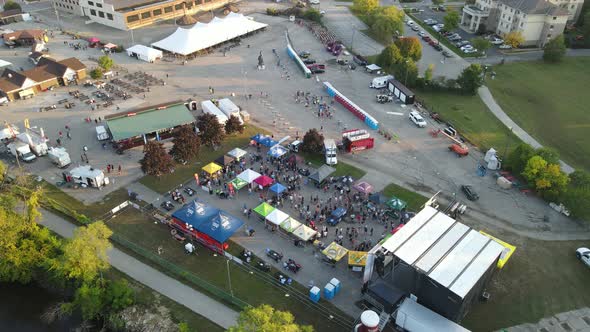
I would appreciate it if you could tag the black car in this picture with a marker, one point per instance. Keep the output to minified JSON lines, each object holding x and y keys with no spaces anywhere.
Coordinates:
{"x":167,"y":205}
{"x":470,"y":192}
{"x":304,"y":171}
{"x":304,"y":54}
{"x":437,"y":47}
{"x":317,"y":70}
{"x":308,"y":61}
{"x":189,"y":191}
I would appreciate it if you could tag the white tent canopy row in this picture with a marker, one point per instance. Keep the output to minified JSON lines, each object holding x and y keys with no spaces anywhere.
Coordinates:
{"x":201,"y":36}
{"x":144,"y":53}
{"x":277,"y":217}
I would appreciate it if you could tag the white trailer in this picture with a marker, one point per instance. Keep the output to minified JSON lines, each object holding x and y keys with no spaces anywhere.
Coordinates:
{"x":37,"y":143}
{"x":59,"y":156}
{"x":330,"y":151}
{"x":101,"y":133}
{"x":21,"y":150}
{"x":413,"y":317}
{"x":87,"y":176}
{"x":380,"y":82}
{"x":229,"y":108}
{"x":210,"y":108}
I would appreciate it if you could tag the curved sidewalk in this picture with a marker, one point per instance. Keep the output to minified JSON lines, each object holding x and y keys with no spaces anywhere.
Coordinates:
{"x":154,"y":279}
{"x":488,"y":99}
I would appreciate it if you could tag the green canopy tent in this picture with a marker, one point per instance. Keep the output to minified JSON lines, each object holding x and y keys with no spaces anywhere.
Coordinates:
{"x":264,"y":209}
{"x":396,"y":203}
{"x":238,"y":183}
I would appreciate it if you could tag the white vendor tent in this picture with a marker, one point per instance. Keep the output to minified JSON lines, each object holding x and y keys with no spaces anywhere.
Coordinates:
{"x":237,"y":153}
{"x":201,"y":36}
{"x":144,"y":53}
{"x":277,"y":217}
{"x":304,"y":233}
{"x":249,"y":175}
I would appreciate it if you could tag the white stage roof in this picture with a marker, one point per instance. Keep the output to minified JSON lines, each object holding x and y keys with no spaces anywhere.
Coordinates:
{"x":201,"y":36}
{"x":448,"y":252}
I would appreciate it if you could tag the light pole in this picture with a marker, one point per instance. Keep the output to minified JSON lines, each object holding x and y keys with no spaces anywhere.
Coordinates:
{"x":407,"y":69}
{"x":506,"y":145}
{"x":229,"y":278}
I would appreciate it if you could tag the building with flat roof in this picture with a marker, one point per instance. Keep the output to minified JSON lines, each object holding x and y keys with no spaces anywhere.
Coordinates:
{"x":442,"y":262}
{"x":132,"y":14}
{"x":136,"y":127}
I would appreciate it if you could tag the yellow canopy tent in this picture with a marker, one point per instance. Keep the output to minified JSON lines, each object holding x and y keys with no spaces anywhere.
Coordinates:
{"x":357,"y":258}
{"x":211,"y":168}
{"x":335,"y":251}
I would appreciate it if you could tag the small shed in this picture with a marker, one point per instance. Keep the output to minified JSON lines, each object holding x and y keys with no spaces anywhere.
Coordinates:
{"x":401,"y":92}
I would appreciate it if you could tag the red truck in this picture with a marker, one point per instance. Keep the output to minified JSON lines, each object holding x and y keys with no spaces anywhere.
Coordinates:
{"x":357,"y":140}
{"x":317,"y":68}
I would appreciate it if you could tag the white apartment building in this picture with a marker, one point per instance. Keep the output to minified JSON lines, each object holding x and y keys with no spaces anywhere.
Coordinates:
{"x":538,"y":20}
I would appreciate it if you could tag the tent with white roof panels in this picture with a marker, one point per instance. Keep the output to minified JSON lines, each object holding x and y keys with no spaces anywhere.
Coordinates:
{"x":237,"y":153}
{"x":277,"y":217}
{"x":304,"y":233}
{"x":201,"y":36}
{"x":144,"y":53}
{"x":249,"y":175}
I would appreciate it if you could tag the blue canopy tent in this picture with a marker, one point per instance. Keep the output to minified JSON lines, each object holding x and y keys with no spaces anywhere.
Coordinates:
{"x":268,"y":142}
{"x":277,"y":151}
{"x":193,"y":214}
{"x":217,"y":230}
{"x":257,"y":138}
{"x":277,"y":188}
{"x":336,"y":216}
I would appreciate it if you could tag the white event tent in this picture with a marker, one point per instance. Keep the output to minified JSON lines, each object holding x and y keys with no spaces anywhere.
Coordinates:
{"x":144,"y":53}
{"x":201,"y":36}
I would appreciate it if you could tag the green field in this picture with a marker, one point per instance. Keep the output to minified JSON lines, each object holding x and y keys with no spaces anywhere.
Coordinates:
{"x":317,"y":160}
{"x":471,"y":117}
{"x":414,"y":200}
{"x":549,"y":102}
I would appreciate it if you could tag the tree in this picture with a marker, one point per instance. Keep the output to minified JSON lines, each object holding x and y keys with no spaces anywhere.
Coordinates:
{"x":586,"y":26}
{"x":547,"y":178}
{"x":90,"y":299}
{"x":481,"y":44}
{"x":265,"y":318}
{"x":577,"y":201}
{"x":155,"y":160}
{"x":519,"y":157}
{"x":438,"y":2}
{"x":451,"y":20}
{"x":183,"y":327}
{"x":389,"y":56}
{"x":210,"y":130}
{"x":186,"y":144}
{"x":119,"y":295}
{"x":9,"y":5}
{"x":554,"y":50}
{"x":313,"y":14}
{"x":514,"y":39}
{"x":105,"y":62}
{"x":85,"y":255}
{"x":580,"y":179}
{"x":410,"y":47}
{"x":96,"y":73}
{"x":406,"y":72}
{"x":429,"y":72}
{"x":365,"y":6}
{"x":550,"y":155}
{"x":3,"y":171}
{"x":471,"y":78}
{"x":233,"y":125}
{"x":313,"y":141}
{"x":384,"y":27}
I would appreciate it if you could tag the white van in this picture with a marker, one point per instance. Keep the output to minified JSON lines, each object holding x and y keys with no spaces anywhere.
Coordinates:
{"x":101,"y":133}
{"x":330,"y":151}
{"x":380,"y":82}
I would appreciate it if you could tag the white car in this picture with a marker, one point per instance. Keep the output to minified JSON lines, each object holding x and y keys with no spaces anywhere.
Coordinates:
{"x":415,"y":27}
{"x":505,"y":47}
{"x":466,"y":48}
{"x":583,"y":254}
{"x":410,"y":22}
{"x":438,"y":27}
{"x":417,"y":119}
{"x":422,"y":33}
{"x":471,"y":50}
{"x":496,"y":41}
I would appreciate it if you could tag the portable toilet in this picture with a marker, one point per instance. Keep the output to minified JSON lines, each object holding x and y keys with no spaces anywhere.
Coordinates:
{"x":336,"y":283}
{"x":329,"y":291}
{"x":491,"y":152}
{"x":314,"y":294}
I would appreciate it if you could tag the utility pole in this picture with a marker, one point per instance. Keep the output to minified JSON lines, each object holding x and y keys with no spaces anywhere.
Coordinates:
{"x":132,"y":39}
{"x":57,"y":17}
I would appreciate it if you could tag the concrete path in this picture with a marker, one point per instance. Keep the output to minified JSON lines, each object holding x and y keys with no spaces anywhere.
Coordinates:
{"x":167,"y":286}
{"x":145,"y":193}
{"x":488,"y":99}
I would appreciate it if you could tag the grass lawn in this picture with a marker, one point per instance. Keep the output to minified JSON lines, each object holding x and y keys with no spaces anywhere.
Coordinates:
{"x":183,"y":173}
{"x":135,"y":227}
{"x":341,"y":168}
{"x":472,"y":118}
{"x":541,"y":279}
{"x":414,"y":200}
{"x":549,"y":102}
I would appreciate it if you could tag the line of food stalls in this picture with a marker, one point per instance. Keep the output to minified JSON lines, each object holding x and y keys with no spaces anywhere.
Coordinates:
{"x":432,"y":271}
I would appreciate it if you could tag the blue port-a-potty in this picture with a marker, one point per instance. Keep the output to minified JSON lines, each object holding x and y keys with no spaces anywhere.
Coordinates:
{"x":329,"y":291}
{"x":314,"y":294}
{"x":336,"y":283}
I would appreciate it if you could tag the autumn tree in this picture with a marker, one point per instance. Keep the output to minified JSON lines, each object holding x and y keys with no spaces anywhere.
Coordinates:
{"x":266,"y":318}
{"x":233,"y":125}
{"x":389,"y":56}
{"x":471,"y":78}
{"x":514,"y":39}
{"x":406,"y":71}
{"x":365,"y":6}
{"x":428,"y":73}
{"x":155,"y":160}
{"x":546,"y":178}
{"x":186,"y":144}
{"x":549,"y":154}
{"x":3,"y":171}
{"x":101,"y":298}
{"x":106,"y":62}
{"x":451,"y":20}
{"x":210,"y":130}
{"x":554,"y":50}
{"x":85,"y":255}
{"x":96,"y":73}
{"x":313,"y":142}
{"x":387,"y":22}
{"x":410,"y":47}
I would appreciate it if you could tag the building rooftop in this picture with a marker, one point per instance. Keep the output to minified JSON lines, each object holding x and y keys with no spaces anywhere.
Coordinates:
{"x":24,"y":34}
{"x":122,"y":5}
{"x":142,"y":121}
{"x":447,"y":251}
{"x":536,"y":7}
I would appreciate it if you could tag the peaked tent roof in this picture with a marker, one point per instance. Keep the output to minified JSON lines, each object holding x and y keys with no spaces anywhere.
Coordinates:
{"x":142,"y":49}
{"x":277,"y":151}
{"x":224,"y":160}
{"x":304,"y":233}
{"x":249,"y":175}
{"x":322,"y":173}
{"x":396,"y":203}
{"x":238,"y":183}
{"x":277,"y":188}
{"x":211,"y":168}
{"x":290,"y":224}
{"x":264,"y":209}
{"x":237,"y":153}
{"x":221,"y":227}
{"x":201,"y":36}
{"x":277,"y":216}
{"x":363,"y":187}
{"x":195,"y":213}
{"x":264,"y":181}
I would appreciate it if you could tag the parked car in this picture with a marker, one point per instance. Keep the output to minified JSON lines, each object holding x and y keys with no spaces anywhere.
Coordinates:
{"x":437,"y":47}
{"x":462,"y":43}
{"x":470,"y":192}
{"x":167,"y":205}
{"x":496,"y":41}
{"x":304,"y":54}
{"x":410,"y":23}
{"x":438,"y":27}
{"x":417,"y":119}
{"x":442,"y":8}
{"x":433,"y":42}
{"x":431,"y":22}
{"x":426,"y":39}
{"x":447,"y":54}
{"x":360,"y":60}
{"x":466,"y":47}
{"x":415,"y":27}
{"x":453,"y":36}
{"x":422,"y":33}
{"x":505,"y":47}
{"x":583,"y":254}
{"x":308,"y":61}
{"x":470,"y":51}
